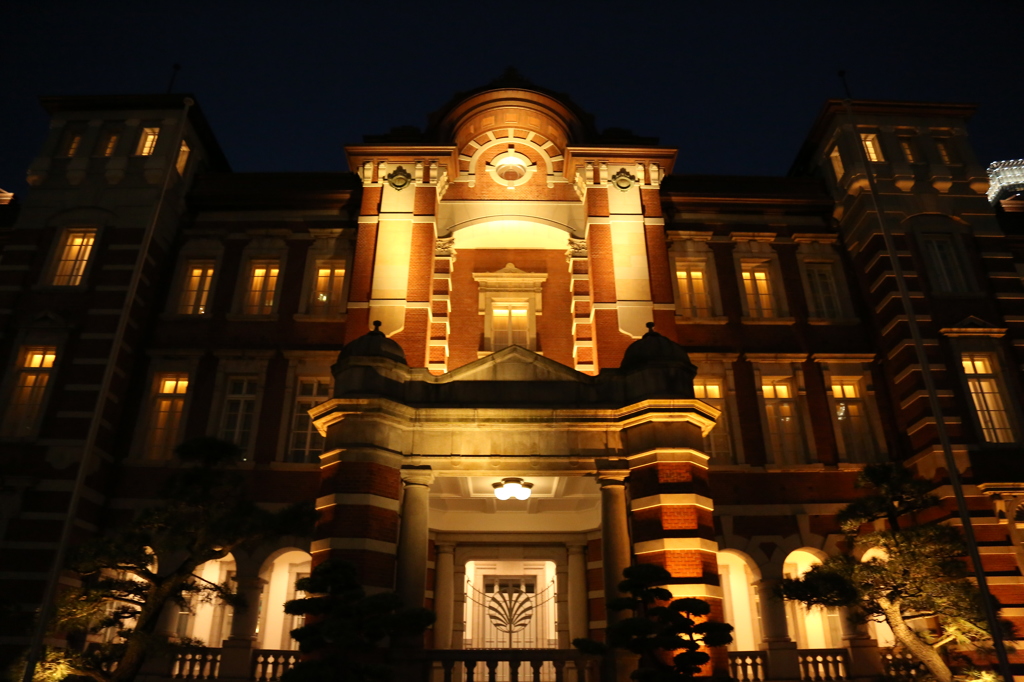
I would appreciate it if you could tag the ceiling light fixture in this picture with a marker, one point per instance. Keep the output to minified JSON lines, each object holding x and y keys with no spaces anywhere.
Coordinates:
{"x":511,"y":487}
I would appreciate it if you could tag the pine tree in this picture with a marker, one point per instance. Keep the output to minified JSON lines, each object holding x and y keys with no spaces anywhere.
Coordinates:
{"x":345,"y":628}
{"x":668,"y":634}
{"x":132,"y":572}
{"x":922,"y":574}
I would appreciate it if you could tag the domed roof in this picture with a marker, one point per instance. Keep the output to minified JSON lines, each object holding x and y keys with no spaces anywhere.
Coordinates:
{"x":653,"y":348}
{"x":373,"y":344}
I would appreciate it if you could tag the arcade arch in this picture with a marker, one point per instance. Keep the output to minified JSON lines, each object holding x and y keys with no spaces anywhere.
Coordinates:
{"x":815,"y":627}
{"x":742,"y":609}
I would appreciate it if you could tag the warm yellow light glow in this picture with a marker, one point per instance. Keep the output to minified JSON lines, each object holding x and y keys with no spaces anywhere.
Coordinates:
{"x":872,"y":148}
{"x":182,"y":161}
{"x":74,"y":257}
{"x":41,"y":358}
{"x":147,"y":142}
{"x":511,"y":487}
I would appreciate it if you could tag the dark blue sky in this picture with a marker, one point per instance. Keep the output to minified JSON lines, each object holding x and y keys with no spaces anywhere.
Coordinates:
{"x":735,"y":85}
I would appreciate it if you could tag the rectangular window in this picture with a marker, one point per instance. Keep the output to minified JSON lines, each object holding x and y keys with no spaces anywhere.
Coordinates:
{"x":757,"y":285}
{"x":907,"y":146}
{"x":259,"y":299}
{"x":72,"y":141}
{"x":988,"y":400}
{"x":784,"y":429}
{"x":717,"y":444}
{"x":871,"y":147}
{"x":107,"y":144}
{"x":837,"y":162}
{"x":147,"y":141}
{"x":327,"y":298}
{"x":26,"y":404}
{"x":196,"y":290}
{"x":944,"y":272}
{"x":851,"y":415}
{"x":75,"y":250}
{"x":693,"y":292}
{"x":822,"y":294}
{"x":945,"y":152}
{"x":182,"y":161}
{"x":239,"y":407}
{"x":510,"y":325}
{"x":167,"y":412}
{"x":306,"y":443}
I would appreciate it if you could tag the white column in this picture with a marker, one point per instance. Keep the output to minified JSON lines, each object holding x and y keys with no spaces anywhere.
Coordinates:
{"x":616,"y":555}
{"x":236,"y":652}
{"x":562,"y":604}
{"x":779,"y":648}
{"x":444,"y":595}
{"x":459,"y":612}
{"x":413,"y":536}
{"x":579,"y":618}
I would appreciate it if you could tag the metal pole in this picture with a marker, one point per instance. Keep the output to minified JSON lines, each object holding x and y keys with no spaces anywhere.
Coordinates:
{"x":936,"y":408}
{"x":46,"y":607}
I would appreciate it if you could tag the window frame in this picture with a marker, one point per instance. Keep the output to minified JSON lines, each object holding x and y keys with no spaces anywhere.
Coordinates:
{"x":230,"y":395}
{"x":295,"y":398}
{"x":965,"y":283}
{"x":185,"y":280}
{"x":61,"y":245}
{"x":143,"y":147}
{"x":780,"y":372}
{"x":838,"y":167}
{"x":872,"y":145}
{"x":248,"y":289}
{"x":725,"y":403}
{"x":181,"y":159}
{"x":331,"y":311}
{"x":753,"y":266}
{"x":1009,"y":408}
{"x":693,"y":311}
{"x":9,"y":422}
{"x":254,"y":366}
{"x":510,"y":285}
{"x":160,"y":378}
{"x":845,"y":377}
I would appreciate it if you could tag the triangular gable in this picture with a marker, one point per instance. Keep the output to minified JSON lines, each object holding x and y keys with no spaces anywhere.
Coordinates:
{"x":514,"y":363}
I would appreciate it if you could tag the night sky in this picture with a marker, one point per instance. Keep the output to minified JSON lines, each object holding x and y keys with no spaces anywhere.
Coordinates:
{"x":734,"y":85}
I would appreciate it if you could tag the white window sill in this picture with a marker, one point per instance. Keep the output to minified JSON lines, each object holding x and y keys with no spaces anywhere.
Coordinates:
{"x":239,"y":317}
{"x":768,"y":320}
{"x":682,"y":319}
{"x":304,"y":317}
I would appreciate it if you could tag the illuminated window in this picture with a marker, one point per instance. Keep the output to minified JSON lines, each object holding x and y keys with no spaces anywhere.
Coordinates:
{"x":988,"y":400}
{"x":871,"y":147}
{"x":837,"y":162}
{"x":757,"y":285}
{"x":785,"y":433}
{"x":147,"y":141}
{"x":907,"y":146}
{"x":107,"y":144}
{"x":693,"y":291}
{"x":74,"y":256}
{"x":717,"y":444}
{"x":196,"y":289}
{"x":327,"y":298}
{"x":306,"y":443}
{"x":25,"y":406}
{"x":166,"y":415}
{"x":72,"y":141}
{"x":259,"y":299}
{"x":943,"y":265}
{"x":821,"y":288}
{"x":510,"y":325}
{"x":182,"y":161}
{"x":851,"y":417}
{"x":945,"y":152}
{"x":239,"y":407}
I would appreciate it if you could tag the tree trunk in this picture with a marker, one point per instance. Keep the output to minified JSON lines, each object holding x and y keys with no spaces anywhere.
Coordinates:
{"x":140,"y":642}
{"x":921,"y":651}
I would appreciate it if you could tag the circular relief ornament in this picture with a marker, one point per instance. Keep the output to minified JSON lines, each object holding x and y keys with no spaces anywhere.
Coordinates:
{"x":399,"y":178}
{"x":623,"y":180}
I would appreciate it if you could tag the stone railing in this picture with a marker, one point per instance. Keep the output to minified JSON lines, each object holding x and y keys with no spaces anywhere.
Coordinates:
{"x":195,"y":664}
{"x":747,"y":666}
{"x":268,"y":665}
{"x":902,"y":666}
{"x":822,"y":665}
{"x":1005,"y":177}
{"x":511,"y":665}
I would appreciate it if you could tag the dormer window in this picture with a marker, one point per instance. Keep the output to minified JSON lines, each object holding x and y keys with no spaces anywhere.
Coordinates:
{"x":182,"y":161}
{"x":871,"y":147}
{"x":837,"y":162}
{"x":147,"y":141}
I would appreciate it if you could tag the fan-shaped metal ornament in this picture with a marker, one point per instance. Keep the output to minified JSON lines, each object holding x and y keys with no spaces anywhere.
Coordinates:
{"x":510,"y":612}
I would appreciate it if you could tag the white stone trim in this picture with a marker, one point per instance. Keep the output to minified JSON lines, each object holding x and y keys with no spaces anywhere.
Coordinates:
{"x":358,"y":499}
{"x":673,"y":544}
{"x":699,"y":591}
{"x":354,"y":543}
{"x":674,"y":499}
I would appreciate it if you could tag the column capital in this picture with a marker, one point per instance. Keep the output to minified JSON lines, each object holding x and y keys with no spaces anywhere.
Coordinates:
{"x":576,"y":549}
{"x":612,"y":477}
{"x":417,"y":475}
{"x":444,"y":547}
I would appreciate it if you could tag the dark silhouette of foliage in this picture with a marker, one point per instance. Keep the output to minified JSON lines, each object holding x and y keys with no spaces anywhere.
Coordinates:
{"x":923,"y":573}
{"x":668,"y":634}
{"x":132,"y":572}
{"x":345,"y":627}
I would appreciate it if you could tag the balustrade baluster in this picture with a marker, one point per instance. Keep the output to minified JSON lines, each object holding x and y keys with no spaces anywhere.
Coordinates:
{"x":492,"y":671}
{"x":447,"y":666}
{"x":513,"y":667}
{"x":560,"y":670}
{"x":470,"y":670}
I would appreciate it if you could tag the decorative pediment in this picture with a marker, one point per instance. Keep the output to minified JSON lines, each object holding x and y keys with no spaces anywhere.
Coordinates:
{"x":974,"y":326}
{"x":515,"y":364}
